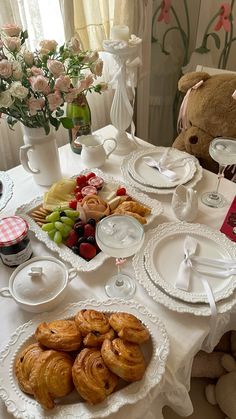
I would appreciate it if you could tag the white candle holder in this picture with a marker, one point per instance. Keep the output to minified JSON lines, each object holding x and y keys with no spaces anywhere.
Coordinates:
{"x":126,"y":56}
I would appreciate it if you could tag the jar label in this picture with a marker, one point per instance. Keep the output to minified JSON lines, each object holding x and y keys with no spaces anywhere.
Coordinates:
{"x":17,"y":258}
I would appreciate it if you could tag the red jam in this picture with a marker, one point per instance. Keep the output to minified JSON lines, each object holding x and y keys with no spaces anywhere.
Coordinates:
{"x":15,"y":247}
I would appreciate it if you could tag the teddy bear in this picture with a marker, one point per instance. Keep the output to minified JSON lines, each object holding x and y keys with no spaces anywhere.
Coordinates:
{"x":208,"y":110}
{"x":221,"y":365}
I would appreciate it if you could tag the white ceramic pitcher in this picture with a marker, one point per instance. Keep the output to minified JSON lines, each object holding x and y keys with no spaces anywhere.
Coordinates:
{"x":94,"y":153}
{"x":39,"y":156}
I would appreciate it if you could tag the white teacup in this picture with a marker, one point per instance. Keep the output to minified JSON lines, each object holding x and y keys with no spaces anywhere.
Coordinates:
{"x":94,"y":153}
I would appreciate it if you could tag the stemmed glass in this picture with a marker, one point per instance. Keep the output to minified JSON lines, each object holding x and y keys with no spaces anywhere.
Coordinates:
{"x":120,"y":236}
{"x":223,"y":151}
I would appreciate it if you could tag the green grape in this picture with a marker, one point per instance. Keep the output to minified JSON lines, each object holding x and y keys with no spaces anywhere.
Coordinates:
{"x":72,"y":214}
{"x":54,"y":216}
{"x":59,"y":225}
{"x":48,"y":226}
{"x":67,"y":220}
{"x":57,"y":237}
{"x":65,"y":232}
{"x":51,"y":233}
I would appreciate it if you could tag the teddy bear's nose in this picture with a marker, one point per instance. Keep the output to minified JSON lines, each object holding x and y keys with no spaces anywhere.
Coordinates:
{"x":193,"y":139}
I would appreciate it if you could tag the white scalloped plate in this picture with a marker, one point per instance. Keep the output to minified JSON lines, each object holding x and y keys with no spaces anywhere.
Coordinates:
{"x":7,"y":190}
{"x":161,"y":191}
{"x":63,"y":251}
{"x":156,"y":350}
{"x":161,"y":297}
{"x":169,"y":240}
{"x":146,"y":175}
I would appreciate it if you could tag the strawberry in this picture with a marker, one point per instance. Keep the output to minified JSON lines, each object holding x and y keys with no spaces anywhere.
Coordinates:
{"x":89,"y":230}
{"x":72,"y":238}
{"x":78,"y":196}
{"x":73,"y":204}
{"x":121,"y":191}
{"x":87,"y":251}
{"x":80,"y":180}
{"x":89,"y":175}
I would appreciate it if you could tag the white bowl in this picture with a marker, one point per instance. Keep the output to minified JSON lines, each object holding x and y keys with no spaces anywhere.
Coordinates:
{"x":39,"y":284}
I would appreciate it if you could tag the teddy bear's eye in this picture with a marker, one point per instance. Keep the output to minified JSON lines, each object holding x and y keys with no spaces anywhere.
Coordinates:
{"x":190,"y":123}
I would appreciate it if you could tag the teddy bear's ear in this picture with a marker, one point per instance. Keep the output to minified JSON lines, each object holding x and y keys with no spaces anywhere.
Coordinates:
{"x":190,"y":79}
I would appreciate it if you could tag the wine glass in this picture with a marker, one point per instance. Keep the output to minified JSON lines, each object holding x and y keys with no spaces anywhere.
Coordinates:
{"x":223,"y":151}
{"x":120,"y":236}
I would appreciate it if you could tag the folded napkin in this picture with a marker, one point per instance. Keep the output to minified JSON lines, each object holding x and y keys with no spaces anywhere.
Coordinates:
{"x":161,"y":165}
{"x":185,"y":268}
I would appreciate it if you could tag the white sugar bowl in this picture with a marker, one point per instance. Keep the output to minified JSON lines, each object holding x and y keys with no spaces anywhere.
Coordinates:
{"x":39,"y":284}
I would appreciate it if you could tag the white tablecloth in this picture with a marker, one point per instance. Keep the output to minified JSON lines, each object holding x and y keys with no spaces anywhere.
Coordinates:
{"x":187,"y":333}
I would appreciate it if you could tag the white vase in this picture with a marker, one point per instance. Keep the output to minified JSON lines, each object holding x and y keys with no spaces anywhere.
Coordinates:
{"x":40,"y":156}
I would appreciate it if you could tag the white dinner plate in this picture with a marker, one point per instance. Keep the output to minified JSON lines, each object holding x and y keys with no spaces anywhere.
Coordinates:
{"x":149,"y":176}
{"x":165,"y":252}
{"x":151,"y":189}
{"x":172,"y":303}
{"x":155,"y":351}
{"x":7,"y":189}
{"x":63,"y":251}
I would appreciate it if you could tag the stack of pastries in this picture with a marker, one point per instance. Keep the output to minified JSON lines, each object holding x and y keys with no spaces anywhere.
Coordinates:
{"x":90,"y":352}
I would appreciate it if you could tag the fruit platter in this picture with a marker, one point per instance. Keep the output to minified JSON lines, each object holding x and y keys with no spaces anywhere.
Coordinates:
{"x":65,"y":217}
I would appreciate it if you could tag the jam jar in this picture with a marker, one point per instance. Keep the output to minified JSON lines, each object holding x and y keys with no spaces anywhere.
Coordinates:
{"x":15,"y":247}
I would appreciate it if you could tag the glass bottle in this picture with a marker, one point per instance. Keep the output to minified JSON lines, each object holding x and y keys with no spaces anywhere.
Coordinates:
{"x":80,"y":114}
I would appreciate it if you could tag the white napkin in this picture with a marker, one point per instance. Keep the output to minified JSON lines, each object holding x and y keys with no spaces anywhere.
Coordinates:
{"x":185,"y":268}
{"x":161,"y":165}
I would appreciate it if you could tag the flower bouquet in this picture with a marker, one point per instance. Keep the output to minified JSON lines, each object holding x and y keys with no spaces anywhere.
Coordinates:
{"x":34,"y":86}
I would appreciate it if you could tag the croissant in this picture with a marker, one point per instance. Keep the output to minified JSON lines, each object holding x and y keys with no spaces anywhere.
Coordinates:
{"x":120,"y":211}
{"x":124,"y":359}
{"x":95,"y":207}
{"x":92,"y":379}
{"x":134,"y":206}
{"x":24,"y":364}
{"x":59,"y":334}
{"x":129,"y":327}
{"x":51,"y":377}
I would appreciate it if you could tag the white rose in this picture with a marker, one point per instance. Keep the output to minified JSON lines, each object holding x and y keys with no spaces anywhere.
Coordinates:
{"x":17,"y":90}
{"x":5,"y":69}
{"x":12,"y":43}
{"x":55,"y":67}
{"x":10,"y":29}
{"x":48,"y":44}
{"x":16,"y":70}
{"x":5,"y":99}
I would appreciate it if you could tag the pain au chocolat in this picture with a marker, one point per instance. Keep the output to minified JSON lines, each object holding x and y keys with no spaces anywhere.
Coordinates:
{"x":129,"y":328}
{"x":61,"y":335}
{"x":124,"y":359}
{"x":91,"y":377}
{"x":94,"y":326}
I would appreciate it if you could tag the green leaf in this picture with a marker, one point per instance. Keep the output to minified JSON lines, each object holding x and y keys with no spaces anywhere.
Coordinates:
{"x":216,"y":39}
{"x":54,"y":122}
{"x":46,"y":129}
{"x":202,"y":50}
{"x":67,"y":122}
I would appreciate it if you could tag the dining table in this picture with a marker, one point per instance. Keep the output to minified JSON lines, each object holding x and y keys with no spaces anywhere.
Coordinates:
{"x":187,"y":333}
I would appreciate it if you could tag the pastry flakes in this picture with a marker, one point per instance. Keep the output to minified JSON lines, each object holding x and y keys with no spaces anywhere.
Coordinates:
{"x":24,"y":364}
{"x":60,"y":335}
{"x":129,"y":327}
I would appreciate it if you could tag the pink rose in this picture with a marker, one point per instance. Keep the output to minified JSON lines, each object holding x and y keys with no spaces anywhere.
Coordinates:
{"x":28,"y":57}
{"x":10,"y":29}
{"x":36,"y":71}
{"x":5,"y":69}
{"x":48,"y":44}
{"x":12,"y":43}
{"x":90,"y":57}
{"x":55,"y":67}
{"x":35,"y":105}
{"x":85,"y":83}
{"x":54,"y":100}
{"x":71,"y":95}
{"x":39,"y":84}
{"x":74,"y":45}
{"x":97,"y":67}
{"x":63,"y":83}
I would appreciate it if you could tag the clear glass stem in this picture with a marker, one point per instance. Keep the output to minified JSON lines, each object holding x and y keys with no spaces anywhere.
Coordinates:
{"x":214,"y":195}
{"x":119,"y":280}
